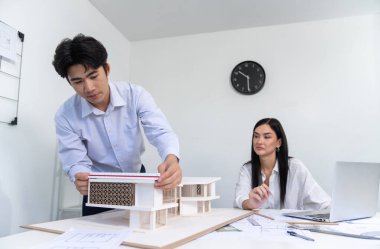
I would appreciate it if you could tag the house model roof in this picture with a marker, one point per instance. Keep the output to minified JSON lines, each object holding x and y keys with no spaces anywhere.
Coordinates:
{"x":148,"y":177}
{"x":125,"y":177}
{"x":198,"y":180}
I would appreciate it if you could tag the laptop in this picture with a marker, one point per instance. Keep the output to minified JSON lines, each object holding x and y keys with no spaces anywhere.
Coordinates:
{"x":354,"y":194}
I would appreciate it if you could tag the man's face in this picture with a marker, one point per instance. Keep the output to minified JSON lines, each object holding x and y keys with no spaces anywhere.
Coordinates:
{"x":90,"y":84}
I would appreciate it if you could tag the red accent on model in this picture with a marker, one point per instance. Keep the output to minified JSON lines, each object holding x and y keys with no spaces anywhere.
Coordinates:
{"x":130,"y":176}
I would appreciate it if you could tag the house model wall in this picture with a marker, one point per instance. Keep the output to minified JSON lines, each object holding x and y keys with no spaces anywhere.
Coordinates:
{"x":196,"y":194}
{"x":147,"y":207}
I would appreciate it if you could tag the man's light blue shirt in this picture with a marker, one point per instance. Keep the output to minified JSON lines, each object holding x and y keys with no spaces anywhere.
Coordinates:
{"x":91,"y":140}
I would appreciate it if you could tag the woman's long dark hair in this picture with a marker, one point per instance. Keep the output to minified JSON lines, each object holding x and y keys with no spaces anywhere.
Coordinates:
{"x":281,"y":156}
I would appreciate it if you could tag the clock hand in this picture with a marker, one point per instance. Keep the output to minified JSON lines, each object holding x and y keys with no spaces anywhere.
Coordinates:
{"x":248,"y":84}
{"x":243,"y":74}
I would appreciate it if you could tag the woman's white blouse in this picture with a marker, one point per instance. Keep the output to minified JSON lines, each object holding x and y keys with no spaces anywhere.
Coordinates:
{"x":302,"y":191}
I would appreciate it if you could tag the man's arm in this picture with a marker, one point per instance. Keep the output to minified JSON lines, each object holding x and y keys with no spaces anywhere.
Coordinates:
{"x":71,"y":150}
{"x":160,"y":134}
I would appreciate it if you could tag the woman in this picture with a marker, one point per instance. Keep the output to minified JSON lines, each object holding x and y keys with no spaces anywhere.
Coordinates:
{"x":273,"y":180}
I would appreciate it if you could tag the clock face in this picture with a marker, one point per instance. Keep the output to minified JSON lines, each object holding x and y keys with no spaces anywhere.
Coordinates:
{"x":248,"y":77}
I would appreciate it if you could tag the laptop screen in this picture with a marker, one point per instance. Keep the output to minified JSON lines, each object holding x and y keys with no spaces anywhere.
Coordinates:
{"x":355,"y":190}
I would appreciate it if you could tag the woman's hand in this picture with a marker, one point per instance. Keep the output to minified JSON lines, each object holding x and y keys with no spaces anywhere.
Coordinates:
{"x":257,"y":197}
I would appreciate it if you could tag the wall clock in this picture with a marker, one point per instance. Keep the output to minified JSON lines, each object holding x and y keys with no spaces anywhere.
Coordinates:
{"x":248,"y":77}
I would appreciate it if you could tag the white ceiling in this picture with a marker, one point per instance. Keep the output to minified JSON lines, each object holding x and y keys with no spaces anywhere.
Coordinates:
{"x":150,"y":19}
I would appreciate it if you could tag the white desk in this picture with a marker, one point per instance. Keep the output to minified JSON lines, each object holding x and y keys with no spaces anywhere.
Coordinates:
{"x":30,"y":238}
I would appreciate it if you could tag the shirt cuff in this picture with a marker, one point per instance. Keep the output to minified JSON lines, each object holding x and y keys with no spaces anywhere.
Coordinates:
{"x":239,"y":201}
{"x":170,"y":152}
{"x":76,"y":169}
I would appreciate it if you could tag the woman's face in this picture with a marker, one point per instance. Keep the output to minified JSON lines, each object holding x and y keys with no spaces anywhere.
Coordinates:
{"x":265,"y":141}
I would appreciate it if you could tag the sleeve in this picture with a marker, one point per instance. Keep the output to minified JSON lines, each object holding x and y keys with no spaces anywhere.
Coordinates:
{"x":243,"y":186}
{"x":72,"y":152}
{"x":314,"y":197}
{"x":156,"y":127}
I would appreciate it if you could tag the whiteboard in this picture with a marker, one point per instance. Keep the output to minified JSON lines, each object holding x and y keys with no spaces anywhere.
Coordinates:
{"x":10,"y":72}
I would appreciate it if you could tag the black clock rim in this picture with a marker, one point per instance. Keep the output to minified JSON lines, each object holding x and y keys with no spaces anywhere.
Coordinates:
{"x":251,"y":62}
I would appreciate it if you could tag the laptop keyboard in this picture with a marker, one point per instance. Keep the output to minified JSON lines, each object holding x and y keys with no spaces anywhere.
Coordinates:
{"x":321,"y":216}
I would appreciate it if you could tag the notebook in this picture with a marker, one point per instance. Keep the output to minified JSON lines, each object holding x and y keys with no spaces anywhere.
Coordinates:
{"x":354,"y":194}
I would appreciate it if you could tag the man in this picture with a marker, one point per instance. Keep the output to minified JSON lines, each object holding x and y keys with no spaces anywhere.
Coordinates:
{"x":98,"y":128}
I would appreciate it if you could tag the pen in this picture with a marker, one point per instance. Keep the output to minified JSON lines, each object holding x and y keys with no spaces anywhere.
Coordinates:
{"x":292,"y":233}
{"x":317,"y":223}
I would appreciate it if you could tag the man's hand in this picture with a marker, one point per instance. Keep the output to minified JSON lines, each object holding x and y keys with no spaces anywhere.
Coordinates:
{"x":170,"y":173}
{"x":81,"y":182}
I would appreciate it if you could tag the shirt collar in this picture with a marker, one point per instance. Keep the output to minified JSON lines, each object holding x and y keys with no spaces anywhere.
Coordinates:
{"x":115,"y":100}
{"x":87,"y":108}
{"x":275,"y":169}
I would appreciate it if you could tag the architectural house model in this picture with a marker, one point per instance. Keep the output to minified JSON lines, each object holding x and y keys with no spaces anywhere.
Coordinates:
{"x":147,"y":207}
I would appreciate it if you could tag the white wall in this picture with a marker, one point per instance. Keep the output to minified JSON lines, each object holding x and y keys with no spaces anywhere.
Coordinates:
{"x":322,"y":84}
{"x":27,"y":151}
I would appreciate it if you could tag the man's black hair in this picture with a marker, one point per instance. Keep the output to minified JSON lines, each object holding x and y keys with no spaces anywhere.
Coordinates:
{"x":84,"y":50}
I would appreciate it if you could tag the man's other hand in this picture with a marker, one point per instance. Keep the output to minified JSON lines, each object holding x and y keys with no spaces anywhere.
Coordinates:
{"x":81,"y":182}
